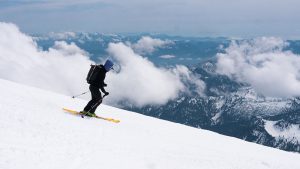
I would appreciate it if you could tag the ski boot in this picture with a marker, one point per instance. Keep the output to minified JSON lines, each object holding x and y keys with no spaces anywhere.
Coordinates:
{"x":89,"y":114}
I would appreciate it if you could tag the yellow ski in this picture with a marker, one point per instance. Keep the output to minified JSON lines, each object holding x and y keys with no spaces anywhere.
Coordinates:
{"x":98,"y":117}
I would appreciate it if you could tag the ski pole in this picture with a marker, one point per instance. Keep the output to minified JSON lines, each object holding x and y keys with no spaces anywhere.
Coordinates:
{"x":80,"y":94}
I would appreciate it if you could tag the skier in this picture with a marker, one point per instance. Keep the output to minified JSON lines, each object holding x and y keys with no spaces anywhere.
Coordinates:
{"x":96,"y":78}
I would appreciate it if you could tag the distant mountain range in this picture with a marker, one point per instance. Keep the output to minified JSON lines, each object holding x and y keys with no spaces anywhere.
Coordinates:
{"x":234,"y":109}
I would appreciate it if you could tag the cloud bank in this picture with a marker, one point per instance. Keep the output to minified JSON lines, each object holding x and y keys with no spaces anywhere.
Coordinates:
{"x":148,"y":45}
{"x":63,"y":69}
{"x":141,"y":82}
{"x":264,"y":64}
{"x":167,"y":56}
{"x":62,"y":35}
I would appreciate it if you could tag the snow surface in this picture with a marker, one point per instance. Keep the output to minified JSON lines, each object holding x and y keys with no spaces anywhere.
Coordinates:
{"x":35,"y":133}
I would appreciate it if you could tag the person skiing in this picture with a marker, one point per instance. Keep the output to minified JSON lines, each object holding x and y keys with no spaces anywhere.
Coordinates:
{"x":96,"y":78}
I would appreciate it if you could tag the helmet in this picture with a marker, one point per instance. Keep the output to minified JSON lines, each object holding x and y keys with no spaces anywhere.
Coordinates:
{"x":108,"y":65}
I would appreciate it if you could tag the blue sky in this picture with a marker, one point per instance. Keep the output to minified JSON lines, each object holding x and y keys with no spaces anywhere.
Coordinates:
{"x":235,"y":18}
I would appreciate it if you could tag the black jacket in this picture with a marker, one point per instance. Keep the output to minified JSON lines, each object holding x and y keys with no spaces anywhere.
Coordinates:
{"x":99,"y":83}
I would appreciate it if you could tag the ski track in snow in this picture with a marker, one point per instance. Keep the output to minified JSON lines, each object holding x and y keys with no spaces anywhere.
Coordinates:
{"x":36,"y":133}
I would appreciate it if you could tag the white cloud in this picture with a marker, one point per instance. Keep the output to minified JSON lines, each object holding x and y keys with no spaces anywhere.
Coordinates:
{"x":189,"y":79}
{"x":167,"y":56}
{"x":62,"y":35}
{"x":188,"y":58}
{"x":291,"y":132}
{"x":263,"y":64}
{"x":148,"y":45}
{"x":141,"y":82}
{"x":56,"y":36}
{"x":63,"y":69}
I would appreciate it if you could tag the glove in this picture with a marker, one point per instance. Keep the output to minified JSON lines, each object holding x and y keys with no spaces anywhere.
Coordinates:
{"x":106,"y":93}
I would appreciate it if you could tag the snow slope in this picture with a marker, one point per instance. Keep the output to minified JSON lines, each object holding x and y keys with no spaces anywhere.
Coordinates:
{"x":36,"y":133}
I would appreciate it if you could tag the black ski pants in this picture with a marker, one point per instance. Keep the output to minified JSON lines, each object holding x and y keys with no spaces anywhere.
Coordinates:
{"x":96,"y":100}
